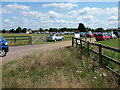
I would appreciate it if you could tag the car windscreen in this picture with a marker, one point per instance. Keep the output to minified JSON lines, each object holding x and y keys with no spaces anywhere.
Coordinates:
{"x":105,"y":34}
{"x":52,"y":35}
{"x":57,"y":35}
{"x":99,"y":35}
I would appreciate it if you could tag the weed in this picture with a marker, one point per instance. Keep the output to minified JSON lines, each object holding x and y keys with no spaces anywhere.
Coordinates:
{"x":63,"y":68}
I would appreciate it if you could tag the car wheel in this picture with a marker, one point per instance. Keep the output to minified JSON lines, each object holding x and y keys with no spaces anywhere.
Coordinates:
{"x":105,"y":39}
{"x":55,"y":40}
{"x":62,"y":39}
{"x":2,"y":53}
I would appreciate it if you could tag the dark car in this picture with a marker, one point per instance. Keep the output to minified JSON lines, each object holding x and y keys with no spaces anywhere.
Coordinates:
{"x":3,"y":47}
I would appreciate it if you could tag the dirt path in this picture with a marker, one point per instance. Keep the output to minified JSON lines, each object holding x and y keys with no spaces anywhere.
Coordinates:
{"x":20,"y":51}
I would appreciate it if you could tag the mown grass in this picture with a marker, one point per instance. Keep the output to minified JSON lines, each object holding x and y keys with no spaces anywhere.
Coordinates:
{"x":63,"y":68}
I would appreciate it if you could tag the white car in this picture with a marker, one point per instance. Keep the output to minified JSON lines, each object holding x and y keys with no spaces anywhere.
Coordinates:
{"x":112,"y":35}
{"x":54,"y":37}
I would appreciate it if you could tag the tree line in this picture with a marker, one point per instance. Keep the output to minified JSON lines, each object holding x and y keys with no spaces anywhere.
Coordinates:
{"x":81,"y":28}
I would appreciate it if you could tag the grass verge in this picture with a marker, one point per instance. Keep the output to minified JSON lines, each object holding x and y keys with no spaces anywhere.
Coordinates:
{"x":63,"y":68}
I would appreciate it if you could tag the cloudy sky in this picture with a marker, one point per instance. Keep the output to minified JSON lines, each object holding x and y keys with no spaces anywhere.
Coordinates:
{"x":37,"y":15}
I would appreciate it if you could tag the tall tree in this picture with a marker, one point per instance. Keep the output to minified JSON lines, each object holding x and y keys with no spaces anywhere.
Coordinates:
{"x":40,"y":30}
{"x":81,"y":27}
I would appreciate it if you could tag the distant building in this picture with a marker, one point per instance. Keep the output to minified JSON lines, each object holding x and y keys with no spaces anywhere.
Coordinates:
{"x":29,"y":31}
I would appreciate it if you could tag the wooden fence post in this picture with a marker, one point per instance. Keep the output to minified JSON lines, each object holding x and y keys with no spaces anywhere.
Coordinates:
{"x":90,"y":39}
{"x":100,"y":53}
{"x":88,"y":47}
{"x":72,"y":41}
{"x":81,"y":45}
{"x":76,"y":41}
{"x":30,"y":40}
{"x":14,"y":39}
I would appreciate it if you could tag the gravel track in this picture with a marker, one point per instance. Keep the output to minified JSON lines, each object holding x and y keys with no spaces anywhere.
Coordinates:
{"x":18,"y":52}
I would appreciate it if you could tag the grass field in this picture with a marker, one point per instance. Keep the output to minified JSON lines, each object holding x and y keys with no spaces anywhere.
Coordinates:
{"x":63,"y":68}
{"x":112,"y":43}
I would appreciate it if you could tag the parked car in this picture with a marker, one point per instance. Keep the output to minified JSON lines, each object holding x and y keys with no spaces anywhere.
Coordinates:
{"x":83,"y":34}
{"x":102,"y":36}
{"x":117,"y":33}
{"x":3,"y":47}
{"x":90,"y":34}
{"x":112,"y":35}
{"x":54,"y":37}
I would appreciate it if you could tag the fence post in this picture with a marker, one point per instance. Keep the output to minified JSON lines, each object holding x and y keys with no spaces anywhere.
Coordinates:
{"x":72,"y":41}
{"x":30,"y":40}
{"x":100,"y":53}
{"x":81,"y":45}
{"x":88,"y":47}
{"x":90,"y":39}
{"x":14,"y":39}
{"x":76,"y":41}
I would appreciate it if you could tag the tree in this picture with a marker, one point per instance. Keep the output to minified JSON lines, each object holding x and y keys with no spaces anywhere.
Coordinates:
{"x":63,"y":29}
{"x":99,"y":30}
{"x":88,"y":29}
{"x":24,"y":30}
{"x":40,"y":29}
{"x":11,"y":30}
{"x":18,"y":30}
{"x":4,"y":31}
{"x":81,"y":27}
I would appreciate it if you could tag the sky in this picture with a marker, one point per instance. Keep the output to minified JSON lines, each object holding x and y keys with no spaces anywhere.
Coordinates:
{"x":45,"y":15}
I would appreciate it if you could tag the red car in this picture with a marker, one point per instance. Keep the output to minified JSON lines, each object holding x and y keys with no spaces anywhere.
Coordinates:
{"x":90,"y":35}
{"x":102,"y":36}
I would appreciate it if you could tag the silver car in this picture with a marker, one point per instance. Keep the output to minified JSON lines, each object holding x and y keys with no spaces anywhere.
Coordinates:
{"x":54,"y":37}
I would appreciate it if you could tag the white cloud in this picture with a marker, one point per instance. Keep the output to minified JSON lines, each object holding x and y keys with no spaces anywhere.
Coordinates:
{"x":13,"y":7}
{"x":91,"y":17}
{"x":60,"y":5}
{"x":15,"y":18}
{"x":6,"y":21}
{"x":94,"y":11}
{"x":16,"y":6}
{"x":113,"y":18}
{"x":53,"y":14}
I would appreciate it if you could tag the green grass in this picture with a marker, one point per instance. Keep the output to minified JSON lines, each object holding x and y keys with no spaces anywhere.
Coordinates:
{"x":63,"y":68}
{"x":112,"y":43}
{"x":112,"y":54}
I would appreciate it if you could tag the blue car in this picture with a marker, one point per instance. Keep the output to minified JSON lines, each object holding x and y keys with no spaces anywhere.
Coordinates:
{"x":3,"y":47}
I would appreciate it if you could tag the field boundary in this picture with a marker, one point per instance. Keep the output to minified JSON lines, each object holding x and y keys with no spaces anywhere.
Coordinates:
{"x":19,"y":38}
{"x":81,"y":43}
